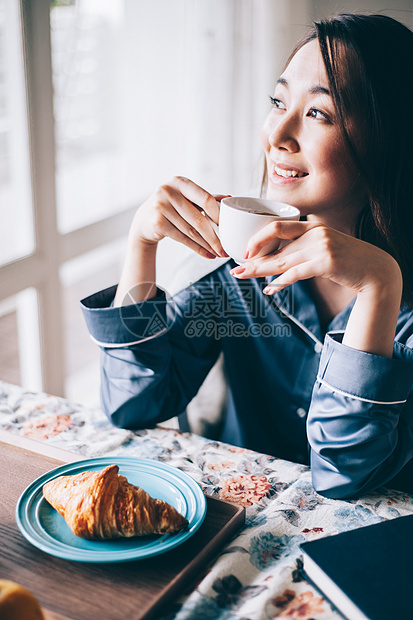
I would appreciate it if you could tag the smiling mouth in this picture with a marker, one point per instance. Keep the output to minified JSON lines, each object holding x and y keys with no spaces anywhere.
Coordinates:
{"x":289,"y":173}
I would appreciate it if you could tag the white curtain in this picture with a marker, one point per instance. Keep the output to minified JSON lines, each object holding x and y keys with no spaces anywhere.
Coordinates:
{"x":201,"y":72}
{"x":231,"y":54}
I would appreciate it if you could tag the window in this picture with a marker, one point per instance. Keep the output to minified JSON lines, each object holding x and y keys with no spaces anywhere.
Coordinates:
{"x":16,"y":233}
{"x":109,"y":99}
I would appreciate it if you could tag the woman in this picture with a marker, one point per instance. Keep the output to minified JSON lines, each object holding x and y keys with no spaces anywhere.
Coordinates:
{"x":320,"y":367}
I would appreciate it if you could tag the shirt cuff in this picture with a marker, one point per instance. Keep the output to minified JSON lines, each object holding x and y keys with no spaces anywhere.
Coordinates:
{"x":366,"y":376}
{"x":124,"y":326}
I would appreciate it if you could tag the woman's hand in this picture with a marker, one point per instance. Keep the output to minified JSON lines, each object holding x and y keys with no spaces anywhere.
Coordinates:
{"x":175,"y":211}
{"x":315,"y":250}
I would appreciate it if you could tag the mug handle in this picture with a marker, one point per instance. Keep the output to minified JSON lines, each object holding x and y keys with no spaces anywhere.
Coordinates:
{"x":218,"y":198}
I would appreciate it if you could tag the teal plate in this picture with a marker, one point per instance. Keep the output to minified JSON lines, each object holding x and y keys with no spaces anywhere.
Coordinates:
{"x":46,"y":529}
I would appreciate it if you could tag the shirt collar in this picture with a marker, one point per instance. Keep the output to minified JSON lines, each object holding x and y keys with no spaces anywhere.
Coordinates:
{"x":297,"y":301}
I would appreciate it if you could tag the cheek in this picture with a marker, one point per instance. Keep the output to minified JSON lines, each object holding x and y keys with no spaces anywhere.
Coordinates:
{"x":329,"y":158}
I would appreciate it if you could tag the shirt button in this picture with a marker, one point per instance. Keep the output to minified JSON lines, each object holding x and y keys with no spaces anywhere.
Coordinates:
{"x":318,"y":347}
{"x":301,"y":412}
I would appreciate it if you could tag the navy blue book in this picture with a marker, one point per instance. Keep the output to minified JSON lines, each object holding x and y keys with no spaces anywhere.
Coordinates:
{"x":366,"y":573}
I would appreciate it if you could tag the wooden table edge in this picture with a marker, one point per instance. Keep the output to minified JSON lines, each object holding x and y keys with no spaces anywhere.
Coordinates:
{"x":64,"y":456}
{"x":39,"y":447}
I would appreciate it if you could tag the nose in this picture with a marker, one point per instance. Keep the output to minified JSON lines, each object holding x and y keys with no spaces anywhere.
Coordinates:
{"x":284,"y":134}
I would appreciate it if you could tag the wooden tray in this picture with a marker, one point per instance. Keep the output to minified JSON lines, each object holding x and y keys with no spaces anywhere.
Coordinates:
{"x":135,"y":590}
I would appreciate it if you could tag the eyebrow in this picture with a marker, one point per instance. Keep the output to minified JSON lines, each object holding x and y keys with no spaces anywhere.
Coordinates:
{"x":314,"y":90}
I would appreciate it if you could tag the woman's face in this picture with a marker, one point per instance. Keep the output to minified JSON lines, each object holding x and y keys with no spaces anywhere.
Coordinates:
{"x":307,"y":163}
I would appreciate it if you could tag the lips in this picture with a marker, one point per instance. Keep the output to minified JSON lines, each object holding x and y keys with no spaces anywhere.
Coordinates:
{"x":285,"y":171}
{"x":285,"y":174}
{"x":289,"y":173}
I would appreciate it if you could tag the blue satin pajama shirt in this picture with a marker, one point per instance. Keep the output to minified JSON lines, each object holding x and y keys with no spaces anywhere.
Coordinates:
{"x":295,"y":392}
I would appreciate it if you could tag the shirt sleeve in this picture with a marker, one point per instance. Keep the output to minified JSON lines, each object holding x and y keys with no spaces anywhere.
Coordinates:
{"x":153,"y":358}
{"x":360,"y":422}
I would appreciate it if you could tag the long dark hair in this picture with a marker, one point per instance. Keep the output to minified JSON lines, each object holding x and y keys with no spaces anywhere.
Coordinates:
{"x":368,"y":62}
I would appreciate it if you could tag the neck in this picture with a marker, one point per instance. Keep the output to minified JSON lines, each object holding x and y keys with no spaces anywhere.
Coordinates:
{"x":343,"y":224}
{"x":330,"y":298}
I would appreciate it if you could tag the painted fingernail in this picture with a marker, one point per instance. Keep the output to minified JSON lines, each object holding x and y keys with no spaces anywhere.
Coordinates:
{"x":237,"y":271}
{"x":224,"y":254}
{"x":210,"y":255}
{"x":269,"y":290}
{"x":247,"y":253}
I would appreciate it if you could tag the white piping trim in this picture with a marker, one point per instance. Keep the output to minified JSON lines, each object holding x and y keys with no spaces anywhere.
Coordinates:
{"x":123,"y":345}
{"x":365,"y":400}
{"x":294,"y":320}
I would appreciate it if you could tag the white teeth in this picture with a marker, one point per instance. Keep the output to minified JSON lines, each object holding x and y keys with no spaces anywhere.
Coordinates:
{"x":288,"y":173}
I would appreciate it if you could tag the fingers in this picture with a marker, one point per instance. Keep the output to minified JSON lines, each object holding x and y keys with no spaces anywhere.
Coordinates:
{"x":291,"y":269}
{"x":303,"y":271}
{"x":198,"y":196}
{"x":185,"y":212}
{"x":187,"y":225}
{"x":171,"y":231}
{"x":191,"y":221}
{"x":314,"y":250}
{"x":282,"y":230}
{"x":274,"y":264}
{"x":295,"y":261}
{"x":219,"y":197}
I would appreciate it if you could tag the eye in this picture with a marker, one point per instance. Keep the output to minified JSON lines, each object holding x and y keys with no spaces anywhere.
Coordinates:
{"x":318,"y":114}
{"x":277,"y":103}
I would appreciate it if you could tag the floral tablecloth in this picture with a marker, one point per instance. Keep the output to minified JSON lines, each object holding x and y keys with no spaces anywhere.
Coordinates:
{"x":257,"y":575}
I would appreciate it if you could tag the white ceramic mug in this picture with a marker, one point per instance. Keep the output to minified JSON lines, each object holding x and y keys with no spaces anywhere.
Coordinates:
{"x":241,"y":217}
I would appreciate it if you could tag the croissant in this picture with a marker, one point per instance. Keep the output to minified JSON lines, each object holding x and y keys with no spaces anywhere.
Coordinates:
{"x":103,"y":505}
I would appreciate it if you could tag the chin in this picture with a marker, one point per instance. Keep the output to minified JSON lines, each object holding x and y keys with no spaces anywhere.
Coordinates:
{"x":283,"y":197}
